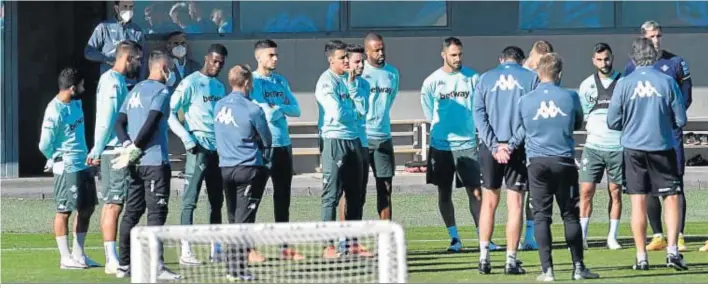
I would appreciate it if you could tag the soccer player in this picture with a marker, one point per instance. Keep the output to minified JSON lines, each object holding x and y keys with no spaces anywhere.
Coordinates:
{"x":336,"y":92}
{"x":271,"y":91}
{"x":383,"y":80}
{"x":495,"y":104}
{"x":647,"y":106}
{"x":142,"y":132}
{"x":545,"y":122}
{"x":676,"y":68}
{"x":446,"y":99}
{"x":602,"y":151}
{"x":112,"y":90}
{"x":63,"y":143}
{"x":243,"y":139}
{"x":539,"y":48}
{"x":196,"y":95}
{"x":357,"y":56}
{"x":103,"y":46}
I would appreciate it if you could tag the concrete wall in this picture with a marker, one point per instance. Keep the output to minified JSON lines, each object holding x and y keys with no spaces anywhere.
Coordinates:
{"x":302,"y":61}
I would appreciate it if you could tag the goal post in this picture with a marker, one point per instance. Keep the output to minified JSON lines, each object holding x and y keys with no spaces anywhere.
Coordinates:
{"x":384,"y":241}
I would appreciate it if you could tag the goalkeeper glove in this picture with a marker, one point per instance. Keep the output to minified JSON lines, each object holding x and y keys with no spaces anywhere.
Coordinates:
{"x":128,"y":156}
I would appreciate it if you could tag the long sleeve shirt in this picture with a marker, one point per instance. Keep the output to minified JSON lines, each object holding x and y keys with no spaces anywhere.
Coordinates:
{"x":383,"y":89}
{"x":111,"y":92}
{"x":595,"y":105}
{"x":339,"y":118}
{"x":675,"y":67}
{"x":102,"y":45}
{"x":546,"y":120}
{"x":242,"y":132}
{"x":196,"y":95}
{"x":496,"y":98}
{"x":63,"y":134}
{"x":272,"y":93}
{"x":447,"y":103}
{"x":647,"y":106}
{"x":148,"y":97}
{"x":362,"y":106}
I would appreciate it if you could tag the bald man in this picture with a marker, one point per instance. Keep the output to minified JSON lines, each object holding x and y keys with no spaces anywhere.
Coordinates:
{"x":242,"y":144}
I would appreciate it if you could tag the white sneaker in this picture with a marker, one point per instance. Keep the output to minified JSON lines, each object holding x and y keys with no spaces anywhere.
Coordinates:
{"x":71,"y":264}
{"x":546,"y":277}
{"x":189,"y":260}
{"x":612,"y":244}
{"x":123,"y":272}
{"x":85,"y":260}
{"x":111,"y":267}
{"x":166,"y":274}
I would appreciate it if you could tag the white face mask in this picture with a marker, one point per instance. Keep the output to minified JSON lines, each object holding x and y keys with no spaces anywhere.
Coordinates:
{"x":171,"y":79}
{"x":126,"y":15}
{"x":179,"y":51}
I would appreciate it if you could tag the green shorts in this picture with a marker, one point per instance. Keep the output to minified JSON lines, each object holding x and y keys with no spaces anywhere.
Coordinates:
{"x":74,"y":191}
{"x":460,"y":165}
{"x":114,"y":183}
{"x":594,"y":163}
{"x":381,"y":158}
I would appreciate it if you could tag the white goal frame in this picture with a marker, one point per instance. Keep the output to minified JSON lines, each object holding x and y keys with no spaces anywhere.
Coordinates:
{"x":268,"y":233}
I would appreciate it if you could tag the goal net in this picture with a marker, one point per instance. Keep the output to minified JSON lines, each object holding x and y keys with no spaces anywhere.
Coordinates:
{"x":364,"y":252}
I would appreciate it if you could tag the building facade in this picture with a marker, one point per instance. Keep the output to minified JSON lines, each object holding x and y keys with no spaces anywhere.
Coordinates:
{"x":40,"y":38}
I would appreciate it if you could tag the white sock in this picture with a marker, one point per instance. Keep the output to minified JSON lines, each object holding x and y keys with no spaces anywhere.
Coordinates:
{"x":672,"y":250}
{"x":186,"y":248}
{"x":511,"y":257}
{"x":614,"y":223}
{"x":584,"y":226}
{"x":658,"y":235}
{"x":63,"y":244}
{"x":641,"y":257}
{"x":109,"y":248}
{"x":78,"y":249}
{"x":483,"y":251}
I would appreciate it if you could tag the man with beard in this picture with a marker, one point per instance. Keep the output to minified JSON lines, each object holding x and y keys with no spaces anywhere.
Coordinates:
{"x":112,"y":90}
{"x":602,"y":151}
{"x":63,"y":143}
{"x":383,"y":80}
{"x":677,"y":68}
{"x":446,"y":97}
{"x":271,"y":91}
{"x":196,"y":96}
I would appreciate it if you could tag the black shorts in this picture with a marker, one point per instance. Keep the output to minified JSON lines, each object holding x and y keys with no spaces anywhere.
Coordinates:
{"x":462,"y":166}
{"x":651,"y":172}
{"x":513,"y":174}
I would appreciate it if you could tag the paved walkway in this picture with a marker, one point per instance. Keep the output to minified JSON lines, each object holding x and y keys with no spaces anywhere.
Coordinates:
{"x":304,"y":184}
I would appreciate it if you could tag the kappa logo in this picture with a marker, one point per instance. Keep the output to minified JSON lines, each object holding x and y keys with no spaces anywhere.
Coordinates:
{"x":644,"y":89}
{"x":548,"y":110}
{"x":224,"y":116}
{"x":161,"y":202}
{"x":506,"y":83}
{"x":134,"y":101}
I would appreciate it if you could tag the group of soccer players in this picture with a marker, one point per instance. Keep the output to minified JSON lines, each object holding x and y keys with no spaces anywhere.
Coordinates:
{"x":236,"y":142}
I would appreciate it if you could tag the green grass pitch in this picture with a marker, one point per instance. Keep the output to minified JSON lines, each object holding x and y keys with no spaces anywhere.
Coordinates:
{"x":29,"y":252}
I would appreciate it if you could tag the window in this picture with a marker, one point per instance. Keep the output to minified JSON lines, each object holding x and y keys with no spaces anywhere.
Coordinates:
{"x":566,"y":14}
{"x":668,"y":13}
{"x":372,"y":14}
{"x":289,"y":16}
{"x":192,"y":17}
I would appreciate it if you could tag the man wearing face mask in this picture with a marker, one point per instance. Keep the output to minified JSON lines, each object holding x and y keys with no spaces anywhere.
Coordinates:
{"x":63,"y":143}
{"x":142,"y":132}
{"x":177,"y":47}
{"x":112,"y":90}
{"x":102,"y":47}
{"x":197,"y":95}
